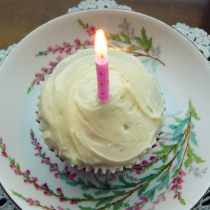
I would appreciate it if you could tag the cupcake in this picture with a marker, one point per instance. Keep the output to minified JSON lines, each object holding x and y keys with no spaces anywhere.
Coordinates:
{"x":95,"y":135}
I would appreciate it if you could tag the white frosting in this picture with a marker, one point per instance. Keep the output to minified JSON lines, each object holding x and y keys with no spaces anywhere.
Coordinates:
{"x":86,"y":132}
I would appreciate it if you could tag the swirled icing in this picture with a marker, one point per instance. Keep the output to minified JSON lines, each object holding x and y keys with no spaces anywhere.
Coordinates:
{"x":86,"y":132}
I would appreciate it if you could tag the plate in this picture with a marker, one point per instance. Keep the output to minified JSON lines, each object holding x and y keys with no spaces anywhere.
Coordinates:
{"x":173,"y":175}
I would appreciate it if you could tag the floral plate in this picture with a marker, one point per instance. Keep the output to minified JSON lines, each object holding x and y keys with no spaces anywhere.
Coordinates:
{"x":173,"y":175}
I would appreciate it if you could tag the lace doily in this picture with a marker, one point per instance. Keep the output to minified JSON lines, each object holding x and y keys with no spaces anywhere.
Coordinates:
{"x":198,"y":36}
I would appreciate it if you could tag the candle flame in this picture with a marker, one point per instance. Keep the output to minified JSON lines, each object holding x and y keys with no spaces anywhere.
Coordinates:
{"x":100,"y":43}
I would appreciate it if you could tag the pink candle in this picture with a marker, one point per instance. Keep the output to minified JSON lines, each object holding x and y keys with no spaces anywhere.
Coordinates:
{"x":102,"y":68}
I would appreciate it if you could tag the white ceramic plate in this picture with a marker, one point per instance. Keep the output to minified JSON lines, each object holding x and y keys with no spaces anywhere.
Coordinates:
{"x":174,"y":175}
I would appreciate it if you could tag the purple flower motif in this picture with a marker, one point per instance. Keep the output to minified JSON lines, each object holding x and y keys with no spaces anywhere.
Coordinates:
{"x":153,"y":158}
{"x":4,"y":154}
{"x":77,"y":41}
{"x":145,"y":163}
{"x":73,"y":202}
{"x":59,"y":191}
{"x":53,"y":64}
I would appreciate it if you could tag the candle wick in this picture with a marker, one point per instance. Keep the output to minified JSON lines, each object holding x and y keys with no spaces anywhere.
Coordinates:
{"x":102,"y":55}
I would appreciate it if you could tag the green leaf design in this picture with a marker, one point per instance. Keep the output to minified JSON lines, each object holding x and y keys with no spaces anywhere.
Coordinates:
{"x":177,"y":119}
{"x":182,"y":201}
{"x":118,"y":205}
{"x":192,"y":111}
{"x":145,"y":43}
{"x":116,"y":37}
{"x":188,"y":162}
{"x":41,"y":53}
{"x":29,"y":90}
{"x":176,"y":149}
{"x":73,"y":184}
{"x":133,"y":48}
{"x":105,"y":200}
{"x":90,"y":184}
{"x":160,"y":168}
{"x":179,"y":156}
{"x":177,"y":172}
{"x":165,"y":158}
{"x":128,"y":184}
{"x":102,"y":192}
{"x":152,"y":196}
{"x":126,"y":37}
{"x":120,"y":193}
{"x":193,"y":138}
{"x":150,"y":177}
{"x":142,"y":189}
{"x":89,"y":197}
{"x":18,"y":166}
{"x":81,"y":23}
{"x":86,"y":208}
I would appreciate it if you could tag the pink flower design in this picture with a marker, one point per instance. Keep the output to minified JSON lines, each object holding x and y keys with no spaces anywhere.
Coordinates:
{"x":17,"y":172}
{"x":66,"y":44}
{"x":173,"y":187}
{"x":36,"y":201}
{"x":62,"y":199}
{"x":28,"y":172}
{"x":12,"y":166}
{"x":87,"y":42}
{"x":67,"y":168}
{"x":77,"y":41}
{"x":73,"y":202}
{"x":59,"y":58}
{"x":38,"y":154}
{"x":50,"y":48}
{"x":59,"y":191}
{"x":180,"y":180}
{"x":37,"y":75}
{"x":175,"y":196}
{"x":129,"y":208}
{"x":60,"y":208}
{"x":136,"y":166}
{"x":34,"y":179}
{"x":49,"y":72}
{"x":138,"y":208}
{"x":27,"y":181}
{"x":45,"y":186}
{"x":46,"y":160}
{"x":68,"y":51}
{"x":53,"y":64}
{"x":78,"y":47}
{"x":174,"y":181}
{"x":70,"y":176}
{"x":57,"y":175}
{"x":91,"y":31}
{"x":4,"y":154}
{"x":51,"y":169}
{"x":44,"y":70}
{"x":153,"y":158}
{"x":47,"y":193}
{"x":138,"y":171}
{"x":61,"y":50}
{"x":55,"y":166}
{"x":38,"y":187}
{"x":143,"y":198}
{"x":145,"y":163}
{"x":182,"y":173}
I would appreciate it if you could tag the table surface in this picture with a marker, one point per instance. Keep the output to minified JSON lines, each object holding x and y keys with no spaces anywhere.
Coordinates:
{"x":19,"y":18}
